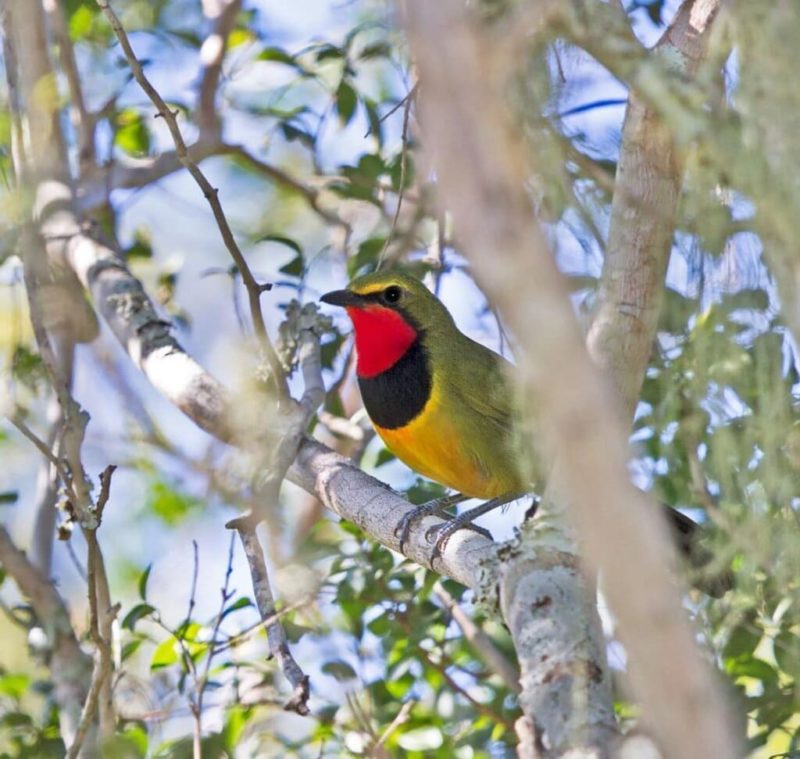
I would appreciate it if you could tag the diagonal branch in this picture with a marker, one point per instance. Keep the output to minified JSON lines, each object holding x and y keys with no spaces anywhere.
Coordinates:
{"x":212,"y":55}
{"x":466,"y":116}
{"x":82,"y":120}
{"x":254,"y":289}
{"x":643,"y":214}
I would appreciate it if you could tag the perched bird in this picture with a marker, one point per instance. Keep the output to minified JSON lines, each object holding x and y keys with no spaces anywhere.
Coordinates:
{"x":441,"y":402}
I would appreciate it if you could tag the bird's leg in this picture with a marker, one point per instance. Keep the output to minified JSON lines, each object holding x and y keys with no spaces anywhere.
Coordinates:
{"x":441,"y":533}
{"x":437,"y":506}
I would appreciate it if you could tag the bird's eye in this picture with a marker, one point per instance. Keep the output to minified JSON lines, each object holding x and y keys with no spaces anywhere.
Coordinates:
{"x":392,"y":294}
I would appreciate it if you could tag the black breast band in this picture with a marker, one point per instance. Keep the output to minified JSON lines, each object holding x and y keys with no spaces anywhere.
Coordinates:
{"x":394,"y":397}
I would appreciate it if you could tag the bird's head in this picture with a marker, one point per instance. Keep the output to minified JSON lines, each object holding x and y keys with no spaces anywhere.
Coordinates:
{"x":390,"y":311}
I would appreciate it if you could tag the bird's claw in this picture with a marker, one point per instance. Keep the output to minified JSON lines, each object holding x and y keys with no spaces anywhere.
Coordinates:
{"x":440,"y":534}
{"x":436,"y":507}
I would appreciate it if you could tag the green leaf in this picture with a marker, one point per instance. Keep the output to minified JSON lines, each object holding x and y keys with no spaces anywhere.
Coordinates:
{"x":787,"y":653}
{"x":277,"y":55}
{"x":130,"y":648}
{"x":329,"y":52}
{"x":240,"y":37}
{"x":132,"y":135}
{"x":9,"y":496}
{"x":339,"y":669}
{"x":166,"y":654}
{"x":143,"y":578}
{"x":140,"y":611}
{"x":292,"y":133}
{"x":141,"y":247}
{"x":169,"y":504}
{"x":235,"y":722}
{"x":346,"y":101}
{"x":80,"y":23}
{"x":374,"y":118}
{"x":14,"y":685}
{"x":744,"y":638}
{"x":384,"y":457}
{"x":287,"y":241}
{"x":295,"y":267}
{"x":749,"y":666}
{"x":376,"y":50}
{"x":367,"y":255}
{"x":239,"y":603}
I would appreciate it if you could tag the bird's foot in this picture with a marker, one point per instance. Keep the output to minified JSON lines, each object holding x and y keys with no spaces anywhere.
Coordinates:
{"x":438,"y":506}
{"x":440,"y":534}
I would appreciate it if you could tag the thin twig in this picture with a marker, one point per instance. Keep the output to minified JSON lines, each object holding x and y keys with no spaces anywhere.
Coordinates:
{"x":202,"y":682}
{"x":401,"y":717}
{"x":215,"y":46}
{"x":40,"y":445}
{"x":97,"y":591}
{"x":403,"y":160}
{"x":81,"y":118}
{"x":479,"y":640}
{"x":396,"y":107}
{"x":276,"y":635}
{"x":254,"y":288}
{"x":193,"y":591}
{"x":264,"y":623}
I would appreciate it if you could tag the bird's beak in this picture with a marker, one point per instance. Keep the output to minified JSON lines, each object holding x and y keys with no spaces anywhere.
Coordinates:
{"x":342,"y":298}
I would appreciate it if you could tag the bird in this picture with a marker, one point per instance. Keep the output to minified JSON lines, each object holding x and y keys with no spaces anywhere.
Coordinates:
{"x":443,"y":403}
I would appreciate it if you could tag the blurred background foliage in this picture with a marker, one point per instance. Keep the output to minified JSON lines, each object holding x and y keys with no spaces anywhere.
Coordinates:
{"x":320,"y":177}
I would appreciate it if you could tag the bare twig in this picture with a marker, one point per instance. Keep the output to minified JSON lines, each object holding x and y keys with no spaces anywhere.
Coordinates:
{"x":480,"y":641}
{"x":100,"y":616}
{"x":241,"y":637}
{"x":201,"y":682}
{"x":254,"y":288}
{"x":40,"y":445}
{"x":401,"y":717}
{"x":212,"y":55}
{"x":403,"y":161}
{"x":278,"y":644}
{"x":82,"y":120}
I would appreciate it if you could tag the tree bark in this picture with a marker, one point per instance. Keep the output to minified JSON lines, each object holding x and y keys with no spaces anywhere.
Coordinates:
{"x":482,"y":168}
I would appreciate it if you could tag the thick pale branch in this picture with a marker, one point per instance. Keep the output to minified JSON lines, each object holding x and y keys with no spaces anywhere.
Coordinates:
{"x":643,"y":213}
{"x":483,"y":169}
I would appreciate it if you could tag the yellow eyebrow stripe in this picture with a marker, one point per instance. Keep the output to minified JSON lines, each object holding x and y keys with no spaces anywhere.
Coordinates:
{"x":372,"y":288}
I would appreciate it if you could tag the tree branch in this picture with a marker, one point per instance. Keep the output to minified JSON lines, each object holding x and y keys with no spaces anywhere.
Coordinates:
{"x":643,"y":213}
{"x":480,"y":641}
{"x":70,"y":667}
{"x":212,"y":55}
{"x":278,"y":644}
{"x":254,"y":289}
{"x":82,"y":120}
{"x":465,"y":115}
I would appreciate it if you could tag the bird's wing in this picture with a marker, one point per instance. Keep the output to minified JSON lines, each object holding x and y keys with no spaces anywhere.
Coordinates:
{"x":481,"y":383}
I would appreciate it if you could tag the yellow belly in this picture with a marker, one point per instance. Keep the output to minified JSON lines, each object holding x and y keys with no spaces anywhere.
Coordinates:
{"x":431,"y":445}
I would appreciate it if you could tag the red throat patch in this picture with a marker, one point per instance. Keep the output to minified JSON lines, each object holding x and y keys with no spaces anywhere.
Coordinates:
{"x":382,"y":338}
